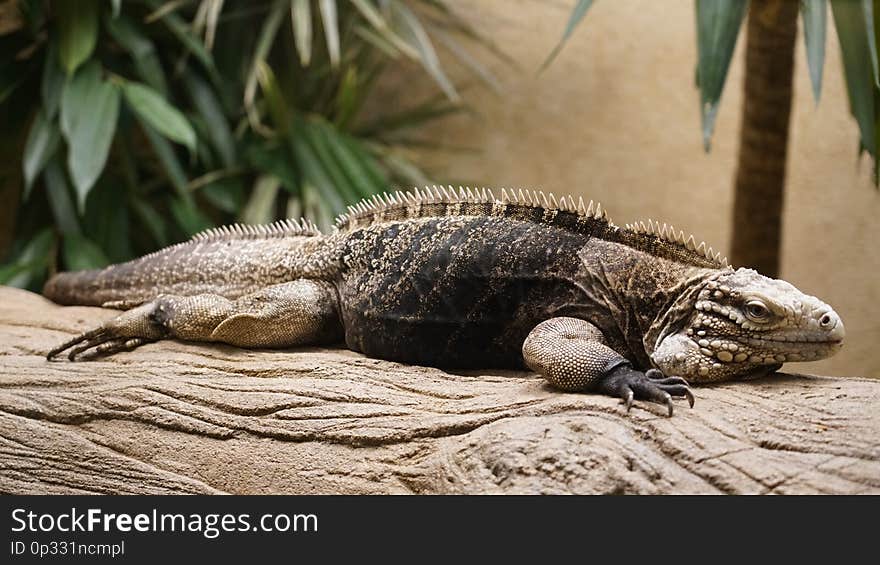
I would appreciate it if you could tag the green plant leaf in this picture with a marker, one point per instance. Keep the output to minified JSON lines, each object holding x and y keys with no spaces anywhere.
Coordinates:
{"x":411,"y":28}
{"x":340,"y":185}
{"x":77,"y":32}
{"x":274,"y":96}
{"x":58,"y":193}
{"x":143,"y":53}
{"x":370,"y":13}
{"x":402,"y":168}
{"x":852,"y":32}
{"x":314,"y":172}
{"x":331,"y":29}
{"x":367,"y":159}
{"x":718,"y":25}
{"x":409,"y":118}
{"x":156,"y":111}
{"x":577,"y":14}
{"x":29,"y":267}
{"x":189,"y":218}
{"x":301,"y":21}
{"x":42,"y":142}
{"x":106,"y":221}
{"x":814,"y":15}
{"x":75,"y":95}
{"x":876,"y":18}
{"x":378,"y":41}
{"x":347,"y":97}
{"x":469,"y":61}
{"x":204,"y":154}
{"x":182,"y":31}
{"x":315,"y":207}
{"x":383,"y":30}
{"x":10,"y":79}
{"x":52,"y":82}
{"x":151,"y":219}
{"x":16,"y":273}
{"x":276,"y":161}
{"x":357,"y":166}
{"x":270,"y":28}
{"x":173,"y":169}
{"x":81,"y":253}
{"x":453,"y":22}
{"x":89,"y":110}
{"x":225,"y":194}
{"x":211,"y":111}
{"x":868,"y":7}
{"x":260,"y":208}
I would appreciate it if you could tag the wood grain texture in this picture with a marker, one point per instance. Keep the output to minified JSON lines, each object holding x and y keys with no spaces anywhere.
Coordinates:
{"x":183,"y":418}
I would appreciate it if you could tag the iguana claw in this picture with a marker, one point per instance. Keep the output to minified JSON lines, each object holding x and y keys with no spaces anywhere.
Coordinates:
{"x":124,"y":332}
{"x":91,"y":338}
{"x":657,"y":377}
{"x":652,"y":385}
{"x":99,"y":341}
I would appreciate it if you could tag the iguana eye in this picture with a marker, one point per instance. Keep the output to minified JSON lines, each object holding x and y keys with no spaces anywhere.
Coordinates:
{"x":756,"y":310}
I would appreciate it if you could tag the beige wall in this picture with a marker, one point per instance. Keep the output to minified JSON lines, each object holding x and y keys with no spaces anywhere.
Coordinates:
{"x":615,"y":118}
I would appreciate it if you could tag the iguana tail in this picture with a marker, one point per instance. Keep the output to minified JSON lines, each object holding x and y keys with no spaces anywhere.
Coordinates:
{"x":229,"y":261}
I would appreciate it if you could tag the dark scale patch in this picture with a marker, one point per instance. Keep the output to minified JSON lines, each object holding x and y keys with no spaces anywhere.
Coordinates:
{"x":455,"y":291}
{"x":636,"y":286}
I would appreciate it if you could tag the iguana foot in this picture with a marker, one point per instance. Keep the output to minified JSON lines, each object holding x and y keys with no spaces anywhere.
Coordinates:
{"x":572,"y":355}
{"x":122,"y":333}
{"x":629,"y":384}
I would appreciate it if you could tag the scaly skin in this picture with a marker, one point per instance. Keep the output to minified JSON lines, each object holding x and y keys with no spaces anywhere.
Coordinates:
{"x":467,"y":280}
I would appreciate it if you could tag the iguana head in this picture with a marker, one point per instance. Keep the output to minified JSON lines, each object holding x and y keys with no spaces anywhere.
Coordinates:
{"x":741,"y":324}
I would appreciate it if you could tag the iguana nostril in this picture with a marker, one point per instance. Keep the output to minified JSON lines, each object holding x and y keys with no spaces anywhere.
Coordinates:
{"x":831,"y":323}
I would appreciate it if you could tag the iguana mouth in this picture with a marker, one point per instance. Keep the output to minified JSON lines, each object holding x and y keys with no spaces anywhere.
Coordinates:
{"x":766,"y":350}
{"x":795,"y":341}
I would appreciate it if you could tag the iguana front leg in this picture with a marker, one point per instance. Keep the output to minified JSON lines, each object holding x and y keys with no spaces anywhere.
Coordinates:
{"x":572,"y":355}
{"x":283,"y":315}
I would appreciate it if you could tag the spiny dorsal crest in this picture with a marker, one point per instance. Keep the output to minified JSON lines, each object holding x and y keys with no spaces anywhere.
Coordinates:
{"x":422,"y":202}
{"x":529,"y":205}
{"x":281,"y":228}
{"x":669,"y":233}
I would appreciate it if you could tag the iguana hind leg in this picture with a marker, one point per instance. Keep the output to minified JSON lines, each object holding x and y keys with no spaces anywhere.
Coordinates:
{"x":572,"y":355}
{"x":283,"y":315}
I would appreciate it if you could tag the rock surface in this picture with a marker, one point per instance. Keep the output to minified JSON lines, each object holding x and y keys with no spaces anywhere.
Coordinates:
{"x":171,"y":417}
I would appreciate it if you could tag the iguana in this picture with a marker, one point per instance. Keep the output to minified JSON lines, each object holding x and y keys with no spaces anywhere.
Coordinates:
{"x":462,"y":279}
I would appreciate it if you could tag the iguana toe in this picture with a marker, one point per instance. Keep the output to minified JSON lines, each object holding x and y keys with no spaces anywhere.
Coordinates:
{"x":126,"y":331}
{"x":631,"y":384}
{"x":108,"y":348}
{"x":89,"y":338}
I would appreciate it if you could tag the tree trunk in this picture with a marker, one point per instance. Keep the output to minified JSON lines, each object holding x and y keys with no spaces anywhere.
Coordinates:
{"x":760,"y":176}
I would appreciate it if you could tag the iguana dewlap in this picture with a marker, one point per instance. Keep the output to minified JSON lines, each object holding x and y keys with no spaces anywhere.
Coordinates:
{"x":464,"y":279}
